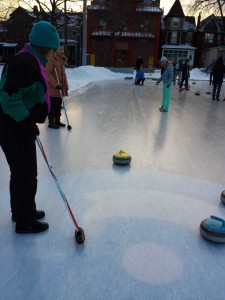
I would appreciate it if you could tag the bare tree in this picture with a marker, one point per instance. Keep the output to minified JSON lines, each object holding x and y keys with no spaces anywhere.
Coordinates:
{"x":6,"y":7}
{"x":206,"y":7}
{"x":52,"y":10}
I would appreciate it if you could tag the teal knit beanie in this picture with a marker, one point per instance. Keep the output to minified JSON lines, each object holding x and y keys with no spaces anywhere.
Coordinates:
{"x":44,"y":35}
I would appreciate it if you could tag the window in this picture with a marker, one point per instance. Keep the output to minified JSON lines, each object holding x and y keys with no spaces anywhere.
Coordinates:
{"x":74,"y":33}
{"x":172,"y":53}
{"x":175,"y":22}
{"x":174,"y":37}
{"x":143,"y":25}
{"x":123,"y":25}
{"x":188,"y":37}
{"x":219,"y":39}
{"x":102,"y":24}
{"x":209,"y":38}
{"x":60,"y":34}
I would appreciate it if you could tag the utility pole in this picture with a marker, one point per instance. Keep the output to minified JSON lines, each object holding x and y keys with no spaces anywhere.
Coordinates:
{"x":65,"y":29}
{"x":84,"y":46}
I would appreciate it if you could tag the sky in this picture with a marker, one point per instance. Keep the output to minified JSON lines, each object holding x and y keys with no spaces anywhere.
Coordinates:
{"x":166,"y":5}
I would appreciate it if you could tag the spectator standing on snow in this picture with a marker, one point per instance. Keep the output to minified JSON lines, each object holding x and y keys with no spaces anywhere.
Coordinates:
{"x":167,"y":79}
{"x":24,"y":101}
{"x":185,"y":74}
{"x":139,"y":63}
{"x":57,"y":86}
{"x":218,"y":71}
{"x":210,"y":68}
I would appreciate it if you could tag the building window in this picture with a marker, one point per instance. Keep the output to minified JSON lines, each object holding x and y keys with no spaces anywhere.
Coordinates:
{"x":188,"y":37}
{"x":102,"y":24}
{"x":143,"y":25}
{"x":175,"y":22}
{"x":60,"y":34}
{"x":174,"y":37}
{"x":219,"y":39}
{"x":74,"y":33}
{"x":171,"y":54}
{"x":209,"y":38}
{"x":123,"y":25}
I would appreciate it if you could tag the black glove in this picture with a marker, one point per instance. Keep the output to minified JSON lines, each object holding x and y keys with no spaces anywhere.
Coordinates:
{"x":29,"y":128}
{"x":168,"y":85}
{"x":58,"y":87}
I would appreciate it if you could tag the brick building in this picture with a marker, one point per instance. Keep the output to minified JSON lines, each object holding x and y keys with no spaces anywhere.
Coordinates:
{"x":118,"y":31}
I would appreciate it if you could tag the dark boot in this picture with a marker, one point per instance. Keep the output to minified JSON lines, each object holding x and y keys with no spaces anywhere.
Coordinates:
{"x":218,"y":97}
{"x":213,"y":97}
{"x":36,"y":227}
{"x":59,"y":124}
{"x":52,"y":124}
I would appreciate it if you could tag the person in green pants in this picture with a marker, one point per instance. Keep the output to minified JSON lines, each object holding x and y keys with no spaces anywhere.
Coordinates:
{"x":167,"y":79}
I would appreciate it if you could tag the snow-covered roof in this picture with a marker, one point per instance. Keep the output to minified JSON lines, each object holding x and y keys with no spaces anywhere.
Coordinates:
{"x":146,"y":8}
{"x":124,"y":34}
{"x":149,"y":9}
{"x":188,"y":26}
{"x":97,"y":7}
{"x":8,"y":44}
{"x":181,"y":46}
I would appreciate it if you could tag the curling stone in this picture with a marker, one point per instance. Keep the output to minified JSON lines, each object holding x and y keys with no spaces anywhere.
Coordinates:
{"x":213,"y":229}
{"x":197,"y":93}
{"x":80,"y":236}
{"x":121,"y":158}
{"x":208,"y":92}
{"x":222,"y":197}
{"x":193,"y":82}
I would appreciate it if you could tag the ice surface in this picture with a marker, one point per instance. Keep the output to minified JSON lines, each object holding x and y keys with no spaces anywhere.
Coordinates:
{"x":141,"y":221}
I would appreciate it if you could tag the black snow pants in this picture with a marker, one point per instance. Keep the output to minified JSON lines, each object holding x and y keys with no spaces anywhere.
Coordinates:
{"x":20,"y":152}
{"x":55,"y":110}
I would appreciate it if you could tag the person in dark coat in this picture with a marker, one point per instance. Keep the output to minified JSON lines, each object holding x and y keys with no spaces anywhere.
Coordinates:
{"x":139,"y":63}
{"x":210,"y":68}
{"x":24,"y":101}
{"x":218,"y":71}
{"x":185,"y":74}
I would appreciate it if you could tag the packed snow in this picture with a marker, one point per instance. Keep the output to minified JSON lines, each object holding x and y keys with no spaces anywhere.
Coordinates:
{"x":81,"y":76}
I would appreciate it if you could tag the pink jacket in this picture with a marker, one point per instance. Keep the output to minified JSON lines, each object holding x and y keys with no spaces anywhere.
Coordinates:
{"x":56,"y":66}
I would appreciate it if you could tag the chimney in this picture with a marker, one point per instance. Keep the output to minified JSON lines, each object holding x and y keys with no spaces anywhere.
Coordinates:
{"x":35,"y":9}
{"x":199,"y":20}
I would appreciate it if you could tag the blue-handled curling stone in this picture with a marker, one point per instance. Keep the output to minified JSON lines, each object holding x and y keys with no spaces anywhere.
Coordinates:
{"x":121,"y":158}
{"x":213,"y":229}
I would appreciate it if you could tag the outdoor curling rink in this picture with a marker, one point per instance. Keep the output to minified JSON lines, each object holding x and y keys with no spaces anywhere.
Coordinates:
{"x":141,"y":221}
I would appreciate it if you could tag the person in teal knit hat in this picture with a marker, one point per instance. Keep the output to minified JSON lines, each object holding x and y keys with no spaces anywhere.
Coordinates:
{"x":24,"y":101}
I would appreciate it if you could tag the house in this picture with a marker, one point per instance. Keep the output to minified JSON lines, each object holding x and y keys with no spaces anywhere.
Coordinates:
{"x":177,"y":35}
{"x":20,"y":22}
{"x":119,"y":31}
{"x":209,"y":39}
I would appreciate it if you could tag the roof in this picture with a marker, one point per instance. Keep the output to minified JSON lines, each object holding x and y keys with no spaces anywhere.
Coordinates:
{"x":181,"y":46}
{"x":210,"y":22}
{"x":8,"y":45}
{"x":176,"y":10}
{"x":189,"y":24}
{"x":124,"y":34}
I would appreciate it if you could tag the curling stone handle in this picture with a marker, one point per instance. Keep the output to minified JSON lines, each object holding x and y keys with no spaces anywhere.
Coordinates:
{"x":218,"y":219}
